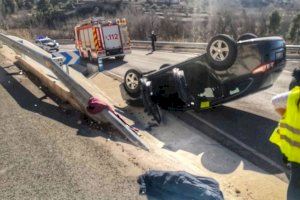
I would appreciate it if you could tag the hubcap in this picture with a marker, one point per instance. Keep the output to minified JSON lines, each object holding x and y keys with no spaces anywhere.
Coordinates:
{"x":132,"y":81}
{"x":219,"y":50}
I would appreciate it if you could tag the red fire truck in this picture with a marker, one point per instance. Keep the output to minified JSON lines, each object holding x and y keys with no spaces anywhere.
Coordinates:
{"x":99,"y":38}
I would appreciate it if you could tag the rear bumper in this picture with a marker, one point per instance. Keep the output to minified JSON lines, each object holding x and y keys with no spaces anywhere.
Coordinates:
{"x":254,"y":83}
{"x":113,"y":54}
{"x":267,"y":79}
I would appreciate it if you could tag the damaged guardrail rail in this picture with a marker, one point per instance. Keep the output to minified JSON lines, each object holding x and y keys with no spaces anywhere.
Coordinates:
{"x":83,"y":96}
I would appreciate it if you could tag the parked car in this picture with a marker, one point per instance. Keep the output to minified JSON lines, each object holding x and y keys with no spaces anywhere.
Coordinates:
{"x":227,"y":71}
{"x":47,"y":44}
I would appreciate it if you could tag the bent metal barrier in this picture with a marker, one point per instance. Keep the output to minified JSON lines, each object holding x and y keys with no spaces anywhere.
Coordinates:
{"x":79,"y":93}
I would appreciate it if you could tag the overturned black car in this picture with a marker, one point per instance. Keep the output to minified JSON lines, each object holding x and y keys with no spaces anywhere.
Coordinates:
{"x":227,"y":71}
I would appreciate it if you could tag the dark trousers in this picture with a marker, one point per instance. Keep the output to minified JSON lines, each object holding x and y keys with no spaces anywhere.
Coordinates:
{"x":153,"y":45}
{"x":294,"y":185}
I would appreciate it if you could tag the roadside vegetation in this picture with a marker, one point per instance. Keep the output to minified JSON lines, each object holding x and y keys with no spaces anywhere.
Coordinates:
{"x":194,"y":21}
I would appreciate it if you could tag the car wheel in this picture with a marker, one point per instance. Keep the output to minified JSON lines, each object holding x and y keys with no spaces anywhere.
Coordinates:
{"x":221,"y":52}
{"x":247,"y":36}
{"x":164,"y":66}
{"x":181,"y":85}
{"x":120,"y":58}
{"x":132,"y":82}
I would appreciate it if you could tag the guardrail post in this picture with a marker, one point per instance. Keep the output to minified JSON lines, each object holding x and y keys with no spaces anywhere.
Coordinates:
{"x":78,"y":91}
{"x":67,"y":69}
{"x":100,"y":64}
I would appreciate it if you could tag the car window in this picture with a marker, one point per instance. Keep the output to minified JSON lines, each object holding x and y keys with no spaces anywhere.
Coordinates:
{"x":45,"y":41}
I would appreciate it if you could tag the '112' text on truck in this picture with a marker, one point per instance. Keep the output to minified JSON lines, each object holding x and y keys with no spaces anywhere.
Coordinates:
{"x":99,"y":38}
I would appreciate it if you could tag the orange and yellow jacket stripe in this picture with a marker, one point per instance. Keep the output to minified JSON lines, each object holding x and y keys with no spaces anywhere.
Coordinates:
{"x":287,"y":134}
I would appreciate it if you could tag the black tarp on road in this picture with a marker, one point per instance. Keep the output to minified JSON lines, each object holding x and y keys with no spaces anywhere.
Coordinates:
{"x":159,"y":185}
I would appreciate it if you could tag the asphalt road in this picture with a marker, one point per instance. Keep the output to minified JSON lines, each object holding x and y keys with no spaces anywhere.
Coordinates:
{"x":249,"y":120}
{"x":46,"y":153}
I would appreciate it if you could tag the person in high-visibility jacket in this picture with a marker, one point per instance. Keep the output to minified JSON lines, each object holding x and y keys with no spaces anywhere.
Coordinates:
{"x":287,"y":134}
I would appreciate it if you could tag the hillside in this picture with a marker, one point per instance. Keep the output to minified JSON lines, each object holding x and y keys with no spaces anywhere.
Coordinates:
{"x":180,"y":20}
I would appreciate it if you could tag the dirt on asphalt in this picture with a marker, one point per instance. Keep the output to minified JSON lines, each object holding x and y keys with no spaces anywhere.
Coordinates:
{"x":46,"y":153}
{"x":185,"y":149}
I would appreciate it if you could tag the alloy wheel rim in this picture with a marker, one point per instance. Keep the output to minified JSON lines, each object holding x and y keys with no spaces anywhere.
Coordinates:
{"x":132,"y":81}
{"x":219,"y":50}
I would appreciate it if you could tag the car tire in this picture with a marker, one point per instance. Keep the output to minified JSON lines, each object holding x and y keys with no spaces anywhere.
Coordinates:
{"x":132,"y":82}
{"x":181,"y":85}
{"x":247,"y":36}
{"x":164,"y":66}
{"x":150,"y":107}
{"x":120,"y":58}
{"x":221,"y":52}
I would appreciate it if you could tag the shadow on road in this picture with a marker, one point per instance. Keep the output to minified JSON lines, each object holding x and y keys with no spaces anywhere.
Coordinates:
{"x":251,"y":129}
{"x":110,"y":64}
{"x":248,"y":129}
{"x":51,"y":107}
{"x":150,"y":53}
{"x":178,"y":135}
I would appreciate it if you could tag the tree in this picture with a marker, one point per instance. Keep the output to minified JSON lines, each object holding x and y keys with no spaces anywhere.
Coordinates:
{"x":29,"y":4}
{"x":295,"y":29}
{"x":44,"y":6}
{"x":275,"y":20}
{"x":262,"y":28}
{"x":225,"y":24}
{"x":9,"y":6}
{"x":2,"y":8}
{"x":248,"y":23}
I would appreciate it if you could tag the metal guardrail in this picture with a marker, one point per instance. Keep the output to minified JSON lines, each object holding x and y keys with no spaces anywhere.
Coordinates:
{"x":79,"y":93}
{"x":292,"y":50}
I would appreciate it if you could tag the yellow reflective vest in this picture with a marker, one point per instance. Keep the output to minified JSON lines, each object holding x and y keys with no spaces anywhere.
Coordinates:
{"x":287,"y":133}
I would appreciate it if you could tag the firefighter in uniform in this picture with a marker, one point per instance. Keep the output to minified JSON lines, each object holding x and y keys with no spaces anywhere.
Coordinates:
{"x":153,"y":40}
{"x":287,"y":135}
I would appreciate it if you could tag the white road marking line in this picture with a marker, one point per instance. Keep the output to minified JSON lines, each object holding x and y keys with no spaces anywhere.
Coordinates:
{"x":248,"y":148}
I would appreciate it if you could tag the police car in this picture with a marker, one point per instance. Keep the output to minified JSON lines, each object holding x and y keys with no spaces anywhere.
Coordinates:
{"x":47,"y":44}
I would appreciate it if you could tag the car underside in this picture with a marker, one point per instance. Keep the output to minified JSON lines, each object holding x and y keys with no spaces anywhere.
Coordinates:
{"x":211,"y":79}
